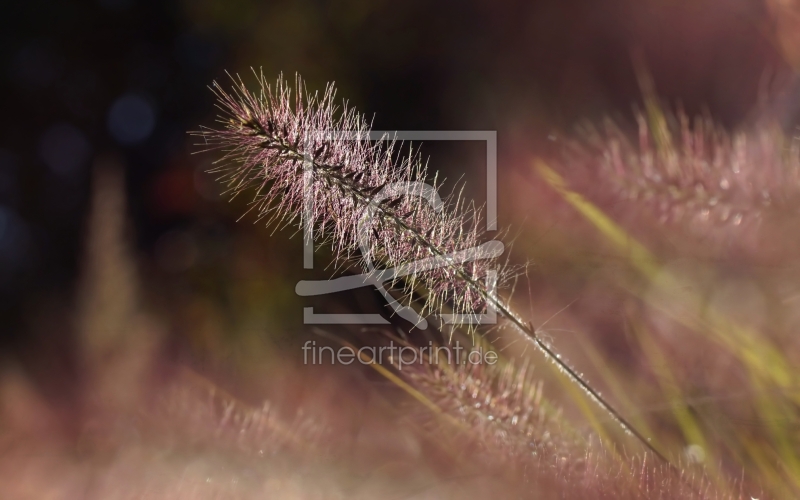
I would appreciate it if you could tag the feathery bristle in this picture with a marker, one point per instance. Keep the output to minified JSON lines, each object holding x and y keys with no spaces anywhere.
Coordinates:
{"x":500,"y":404}
{"x":698,"y":174}
{"x":303,"y":156}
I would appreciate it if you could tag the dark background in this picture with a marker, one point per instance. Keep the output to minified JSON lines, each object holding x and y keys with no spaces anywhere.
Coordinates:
{"x":122,"y":81}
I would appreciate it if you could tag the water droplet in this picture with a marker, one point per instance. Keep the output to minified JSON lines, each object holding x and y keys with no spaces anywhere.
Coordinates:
{"x":695,"y":453}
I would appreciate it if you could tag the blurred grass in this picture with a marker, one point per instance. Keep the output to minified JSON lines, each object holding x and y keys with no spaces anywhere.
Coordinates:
{"x":771,"y":376}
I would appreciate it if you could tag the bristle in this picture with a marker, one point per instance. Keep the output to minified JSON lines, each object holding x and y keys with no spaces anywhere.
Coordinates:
{"x":360,"y":198}
{"x":695,"y":174}
{"x":509,"y":428}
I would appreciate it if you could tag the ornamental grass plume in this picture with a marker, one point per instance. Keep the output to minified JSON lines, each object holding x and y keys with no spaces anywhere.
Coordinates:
{"x":502,"y":407}
{"x":707,"y":175}
{"x":509,"y":427}
{"x":305,"y":158}
{"x":728,"y":189}
{"x":192,"y":409}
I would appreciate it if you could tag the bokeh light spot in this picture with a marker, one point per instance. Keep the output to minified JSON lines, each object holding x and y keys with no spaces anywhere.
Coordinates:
{"x":131,"y":119}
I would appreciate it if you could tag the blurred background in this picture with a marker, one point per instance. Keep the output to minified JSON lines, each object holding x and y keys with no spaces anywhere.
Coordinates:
{"x":98,"y":96}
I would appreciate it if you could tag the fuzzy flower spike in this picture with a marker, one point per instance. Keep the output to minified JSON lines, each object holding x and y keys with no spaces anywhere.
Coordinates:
{"x":306,"y":159}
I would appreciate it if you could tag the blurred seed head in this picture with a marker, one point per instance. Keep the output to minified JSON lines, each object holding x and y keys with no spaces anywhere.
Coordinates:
{"x":727,"y":189}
